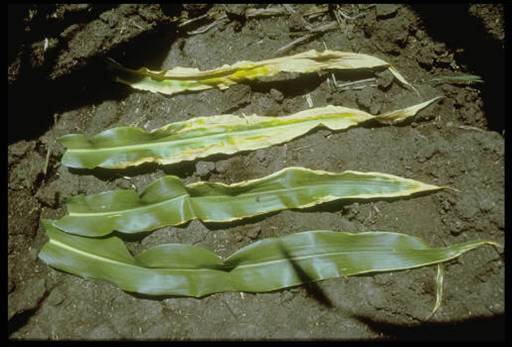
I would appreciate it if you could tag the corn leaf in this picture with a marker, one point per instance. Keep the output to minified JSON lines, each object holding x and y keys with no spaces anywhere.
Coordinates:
{"x":180,"y":79}
{"x":167,"y":201}
{"x":266,"y":265}
{"x":200,"y":137}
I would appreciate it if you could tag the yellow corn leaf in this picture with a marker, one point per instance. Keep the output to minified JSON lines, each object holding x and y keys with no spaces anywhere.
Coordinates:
{"x":180,"y":79}
{"x":121,"y":147}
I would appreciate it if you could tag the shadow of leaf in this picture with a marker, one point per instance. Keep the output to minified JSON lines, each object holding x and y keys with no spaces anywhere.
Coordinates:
{"x":475,"y":329}
{"x":312,"y":288}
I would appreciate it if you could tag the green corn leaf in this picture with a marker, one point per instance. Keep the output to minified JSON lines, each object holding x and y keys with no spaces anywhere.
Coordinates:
{"x":200,"y":137}
{"x":180,"y":79}
{"x":167,"y":201}
{"x":266,"y":265}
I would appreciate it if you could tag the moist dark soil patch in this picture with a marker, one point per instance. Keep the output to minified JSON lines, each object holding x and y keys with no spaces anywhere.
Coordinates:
{"x":457,"y":141}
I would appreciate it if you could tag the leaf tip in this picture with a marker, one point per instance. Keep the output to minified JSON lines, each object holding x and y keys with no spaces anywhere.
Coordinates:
{"x":495,"y":244}
{"x":450,"y":188}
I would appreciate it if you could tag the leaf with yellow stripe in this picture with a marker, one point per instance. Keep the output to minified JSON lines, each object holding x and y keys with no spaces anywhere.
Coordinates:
{"x":204,"y":136}
{"x":181,"y":79}
{"x":168,"y":201}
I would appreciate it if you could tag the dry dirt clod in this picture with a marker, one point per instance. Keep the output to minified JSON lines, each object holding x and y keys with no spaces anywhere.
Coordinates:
{"x":237,"y":96}
{"x":204,"y":168}
{"x":425,"y":57}
{"x":386,"y":10}
{"x":222,"y":166}
{"x":18,"y":149}
{"x":366,"y":100}
{"x":29,"y":299}
{"x":238,"y":236}
{"x":56,"y":297}
{"x":254,"y":232}
{"x":296,"y":22}
{"x":277,"y":95}
{"x":384,"y":79}
{"x":456,"y":228}
{"x":261,"y":155}
{"x":196,"y":9}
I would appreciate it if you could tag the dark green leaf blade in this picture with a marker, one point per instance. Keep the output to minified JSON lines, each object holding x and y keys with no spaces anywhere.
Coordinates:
{"x":263,"y":266}
{"x":108,"y":259}
{"x":167,"y":201}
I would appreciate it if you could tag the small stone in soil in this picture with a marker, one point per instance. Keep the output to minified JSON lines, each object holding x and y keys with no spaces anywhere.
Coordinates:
{"x":420,"y":34}
{"x":222,"y":166}
{"x":237,"y":96}
{"x":47,"y":196}
{"x":296,"y":22}
{"x":236,"y":11}
{"x":238,"y":237}
{"x":276,"y":94}
{"x":260,"y":155}
{"x":204,"y":168}
{"x":20,"y":148}
{"x":375,"y":107}
{"x":486,"y":205}
{"x":56,"y":297}
{"x":364,"y":99}
{"x":425,"y":58}
{"x":384,"y":79}
{"x":456,"y":228}
{"x":123,"y":183}
{"x":386,"y":10}
{"x":254,"y":232}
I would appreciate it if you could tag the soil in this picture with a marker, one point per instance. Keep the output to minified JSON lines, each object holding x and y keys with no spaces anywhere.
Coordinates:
{"x":458,"y":141}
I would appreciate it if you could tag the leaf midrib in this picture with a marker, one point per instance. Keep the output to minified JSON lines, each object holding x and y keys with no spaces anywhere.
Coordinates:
{"x":149,"y":206}
{"x":255,"y":264}
{"x":110,"y":260}
{"x":191,"y":139}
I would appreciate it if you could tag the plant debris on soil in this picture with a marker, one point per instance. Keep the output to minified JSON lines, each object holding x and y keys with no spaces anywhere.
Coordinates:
{"x":58,"y":84}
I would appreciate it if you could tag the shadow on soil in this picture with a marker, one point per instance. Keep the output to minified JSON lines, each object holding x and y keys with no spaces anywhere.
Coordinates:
{"x":34,"y":98}
{"x":20,"y":319}
{"x":481,"y":53}
{"x":476,"y":329}
{"x":182,"y":170}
